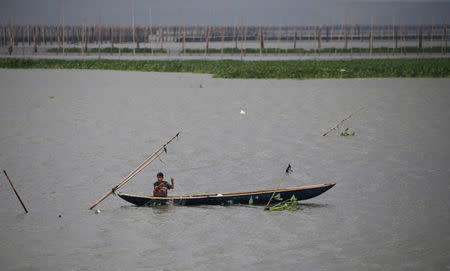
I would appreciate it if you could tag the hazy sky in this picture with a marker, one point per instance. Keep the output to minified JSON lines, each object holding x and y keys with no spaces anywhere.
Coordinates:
{"x":266,"y":12}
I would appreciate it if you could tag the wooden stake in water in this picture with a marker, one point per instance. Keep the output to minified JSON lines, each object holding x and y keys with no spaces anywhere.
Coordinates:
{"x":21,"y":202}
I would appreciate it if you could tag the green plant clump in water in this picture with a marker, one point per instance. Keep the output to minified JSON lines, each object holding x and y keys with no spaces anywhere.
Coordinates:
{"x":280,"y":69}
{"x":289,"y":205}
{"x":347,"y":132}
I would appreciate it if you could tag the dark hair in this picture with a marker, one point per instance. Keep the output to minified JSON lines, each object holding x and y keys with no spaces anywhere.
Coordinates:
{"x":160,"y":174}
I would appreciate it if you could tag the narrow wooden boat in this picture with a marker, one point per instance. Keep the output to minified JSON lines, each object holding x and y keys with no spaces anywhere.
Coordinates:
{"x":250,"y":197}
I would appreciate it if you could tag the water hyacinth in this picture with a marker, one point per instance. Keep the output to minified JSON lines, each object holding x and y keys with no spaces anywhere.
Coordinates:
{"x":293,"y":69}
{"x":289,"y":205}
{"x":347,"y":132}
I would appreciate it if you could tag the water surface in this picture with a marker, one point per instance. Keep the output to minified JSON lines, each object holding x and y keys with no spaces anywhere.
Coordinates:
{"x":68,"y":136}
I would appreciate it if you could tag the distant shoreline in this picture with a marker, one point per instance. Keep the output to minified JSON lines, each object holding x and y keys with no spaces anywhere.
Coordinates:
{"x":276,"y":69}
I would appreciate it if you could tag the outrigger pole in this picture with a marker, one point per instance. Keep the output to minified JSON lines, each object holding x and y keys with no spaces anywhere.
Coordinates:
{"x":133,"y":173}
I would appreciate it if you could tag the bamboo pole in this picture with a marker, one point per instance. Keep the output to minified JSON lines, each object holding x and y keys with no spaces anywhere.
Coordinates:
{"x":111,"y":35}
{"x":151,"y":30}
{"x":445,"y":38}
{"x":352,"y":32}
{"x":242,"y":41}
{"x":34,"y":39}
{"x":99,"y":39}
{"x":431,"y":34}
{"x":339,"y":123}
{"x":10,"y":39}
{"x":394,"y":40}
{"x":286,"y":173}
{"x":295,"y":38}
{"x":403,"y":38}
{"x":3,"y":36}
{"x":28,"y":35}
{"x":319,"y":39}
{"x":86,"y":39}
{"x":120,"y":39}
{"x":279,"y":39}
{"x":43,"y":35}
{"x":133,"y":173}
{"x":206,"y":40}
{"x":167,"y":40}
{"x":235,"y":36}
{"x":300,"y":37}
{"x":223,"y":40}
{"x":63,"y":22}
{"x":261,"y":40}
{"x":420,"y":39}
{"x":245,"y":36}
{"x":371,"y":37}
{"x":83,"y":38}
{"x":161,"y":35}
{"x":133,"y":26}
{"x":15,"y":192}
{"x":346,"y":37}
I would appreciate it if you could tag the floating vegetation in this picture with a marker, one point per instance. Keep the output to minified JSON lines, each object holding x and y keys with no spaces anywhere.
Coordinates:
{"x":289,"y":205}
{"x":293,"y":69}
{"x":278,"y":197}
{"x":347,"y":132}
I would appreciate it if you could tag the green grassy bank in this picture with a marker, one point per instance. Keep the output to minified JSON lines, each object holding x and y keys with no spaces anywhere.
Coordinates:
{"x":294,"y":69}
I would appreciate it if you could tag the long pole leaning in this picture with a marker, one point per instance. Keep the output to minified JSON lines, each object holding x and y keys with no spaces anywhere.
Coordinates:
{"x":133,"y":173}
{"x":339,"y":123}
{"x":21,"y":202}
{"x":286,"y":173}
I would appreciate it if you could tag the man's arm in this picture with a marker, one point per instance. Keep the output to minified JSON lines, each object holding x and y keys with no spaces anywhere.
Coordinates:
{"x":172,"y":184}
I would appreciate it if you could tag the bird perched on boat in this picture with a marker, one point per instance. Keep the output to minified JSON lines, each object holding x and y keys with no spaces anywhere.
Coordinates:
{"x":160,"y":187}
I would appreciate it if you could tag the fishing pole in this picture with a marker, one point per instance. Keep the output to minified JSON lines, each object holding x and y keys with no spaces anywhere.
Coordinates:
{"x":286,"y":173}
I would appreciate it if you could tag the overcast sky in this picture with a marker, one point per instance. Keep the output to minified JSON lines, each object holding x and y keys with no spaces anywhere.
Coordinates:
{"x":254,"y":12}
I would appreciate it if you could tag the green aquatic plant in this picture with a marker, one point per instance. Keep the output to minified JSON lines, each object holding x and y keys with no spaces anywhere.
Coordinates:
{"x":347,"y":132}
{"x":278,"y":197}
{"x":289,"y":69}
{"x":289,"y":205}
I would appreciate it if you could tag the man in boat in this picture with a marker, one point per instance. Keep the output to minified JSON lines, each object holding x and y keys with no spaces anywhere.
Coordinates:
{"x":160,"y":187}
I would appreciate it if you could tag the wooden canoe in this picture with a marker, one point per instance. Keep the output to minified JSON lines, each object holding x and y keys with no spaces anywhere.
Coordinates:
{"x":249,"y":197}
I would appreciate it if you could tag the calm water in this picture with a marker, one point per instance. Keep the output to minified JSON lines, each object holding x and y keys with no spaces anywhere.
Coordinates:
{"x":66,"y":137}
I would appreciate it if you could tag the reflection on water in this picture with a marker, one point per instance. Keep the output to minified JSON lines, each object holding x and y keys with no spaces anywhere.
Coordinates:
{"x":390,"y":207}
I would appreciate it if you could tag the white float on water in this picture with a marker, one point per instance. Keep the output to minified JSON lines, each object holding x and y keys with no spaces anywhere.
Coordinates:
{"x":97,"y":211}
{"x":243,"y":112}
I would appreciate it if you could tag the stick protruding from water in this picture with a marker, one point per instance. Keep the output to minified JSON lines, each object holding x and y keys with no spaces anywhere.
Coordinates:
{"x":21,"y":202}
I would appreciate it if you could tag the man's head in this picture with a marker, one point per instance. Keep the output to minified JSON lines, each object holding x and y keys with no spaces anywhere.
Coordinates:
{"x":160,"y":176}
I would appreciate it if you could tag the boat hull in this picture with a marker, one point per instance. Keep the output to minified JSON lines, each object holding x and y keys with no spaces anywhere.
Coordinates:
{"x":250,"y":197}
